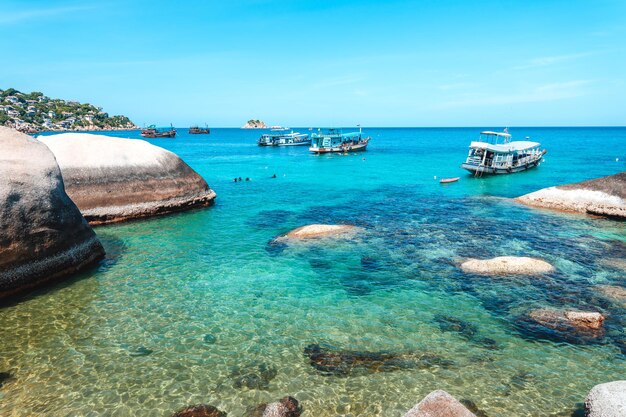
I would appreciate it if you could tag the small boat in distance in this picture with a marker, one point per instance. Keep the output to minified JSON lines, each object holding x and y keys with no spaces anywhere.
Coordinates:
{"x":449,"y":180}
{"x":196,"y":130}
{"x":495,"y":153}
{"x":152,"y":132}
{"x":283,"y":137}
{"x":334,"y":140}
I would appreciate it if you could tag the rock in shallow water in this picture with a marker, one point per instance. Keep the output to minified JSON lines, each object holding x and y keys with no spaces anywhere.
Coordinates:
{"x":285,"y":407}
{"x":607,"y":400}
{"x":332,"y":361}
{"x":114,"y":179}
{"x":253,"y":376}
{"x":603,"y":196}
{"x":5,"y":377}
{"x":613,"y":292}
{"x":43,"y":236}
{"x":439,"y":404}
{"x":572,"y":326}
{"x":141,"y":351}
{"x":507,"y":265}
{"x":201,"y":410}
{"x":313,"y":231}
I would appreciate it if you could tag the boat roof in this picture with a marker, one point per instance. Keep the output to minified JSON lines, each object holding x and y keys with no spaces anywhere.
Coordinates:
{"x":501,"y":134}
{"x":520,"y":145}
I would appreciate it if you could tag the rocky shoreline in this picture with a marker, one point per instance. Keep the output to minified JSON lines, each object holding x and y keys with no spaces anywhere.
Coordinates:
{"x":53,"y":185}
{"x":604,"y":197}
{"x":44,"y":237}
{"x":113,"y":179}
{"x":603,"y":400}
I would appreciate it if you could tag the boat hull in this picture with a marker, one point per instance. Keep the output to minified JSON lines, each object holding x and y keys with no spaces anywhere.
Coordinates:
{"x":483,"y":170}
{"x":339,"y":149}
{"x":307,"y":143}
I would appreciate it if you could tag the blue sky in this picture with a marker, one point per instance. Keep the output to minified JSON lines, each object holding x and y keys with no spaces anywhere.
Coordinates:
{"x":310,"y":63}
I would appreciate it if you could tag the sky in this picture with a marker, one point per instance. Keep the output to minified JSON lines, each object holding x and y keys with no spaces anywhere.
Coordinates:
{"x":325,"y":63}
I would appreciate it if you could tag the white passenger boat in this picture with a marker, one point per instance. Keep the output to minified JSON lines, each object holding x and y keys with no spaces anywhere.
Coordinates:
{"x":334,"y":140}
{"x":495,"y":153}
{"x":284,"y":137}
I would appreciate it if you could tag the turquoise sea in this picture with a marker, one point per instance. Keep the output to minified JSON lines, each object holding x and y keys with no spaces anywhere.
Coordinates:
{"x":200,"y":307}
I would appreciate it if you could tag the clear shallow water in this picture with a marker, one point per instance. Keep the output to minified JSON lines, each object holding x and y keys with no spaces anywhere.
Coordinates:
{"x":213,"y":301}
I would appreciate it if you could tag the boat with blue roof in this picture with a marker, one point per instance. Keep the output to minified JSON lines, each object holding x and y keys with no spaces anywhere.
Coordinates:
{"x":495,"y":153}
{"x":335,"y":141}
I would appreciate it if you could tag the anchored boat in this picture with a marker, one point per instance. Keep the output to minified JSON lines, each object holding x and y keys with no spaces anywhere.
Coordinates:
{"x":495,"y":153}
{"x":196,"y":130}
{"x":334,"y":140}
{"x":152,"y":132}
{"x":282,"y":136}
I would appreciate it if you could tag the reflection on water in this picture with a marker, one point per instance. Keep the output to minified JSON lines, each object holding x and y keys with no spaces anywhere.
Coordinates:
{"x":198,"y":308}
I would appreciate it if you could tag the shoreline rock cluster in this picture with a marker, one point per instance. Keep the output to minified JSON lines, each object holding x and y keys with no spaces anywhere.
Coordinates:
{"x":112,"y":179}
{"x":604,"y":196}
{"x":48,"y":192}
{"x":43,"y":235}
{"x":603,"y":400}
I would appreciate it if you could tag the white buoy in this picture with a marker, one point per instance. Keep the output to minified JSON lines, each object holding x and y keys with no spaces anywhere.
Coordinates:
{"x":435,"y":177}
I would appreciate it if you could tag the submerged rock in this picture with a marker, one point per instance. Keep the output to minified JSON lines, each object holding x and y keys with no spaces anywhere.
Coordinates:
{"x":43,"y":236}
{"x":570,"y":326}
{"x":615,"y":263}
{"x":253,"y":376}
{"x":613,"y":292}
{"x":285,"y":407}
{"x":439,"y":404}
{"x":141,"y":351}
{"x":313,"y":231}
{"x":507,"y":265}
{"x":453,"y":324}
{"x":332,"y":361}
{"x":603,"y":196}
{"x":5,"y":377}
{"x":113,"y":179}
{"x":464,"y":329}
{"x":201,"y":410}
{"x":209,"y":339}
{"x":471,"y":405}
{"x":607,"y":400}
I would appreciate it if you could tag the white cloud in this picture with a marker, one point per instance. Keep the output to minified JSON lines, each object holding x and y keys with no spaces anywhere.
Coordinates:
{"x":551,"y":60}
{"x":541,"y":93}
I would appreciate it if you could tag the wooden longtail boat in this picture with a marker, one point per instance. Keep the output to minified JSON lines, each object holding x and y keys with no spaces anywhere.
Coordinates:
{"x":152,"y":132}
{"x":195,"y":130}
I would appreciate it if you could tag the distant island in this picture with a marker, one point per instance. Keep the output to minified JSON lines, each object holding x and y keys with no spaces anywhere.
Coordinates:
{"x":254,"y":124}
{"x":34,"y":112}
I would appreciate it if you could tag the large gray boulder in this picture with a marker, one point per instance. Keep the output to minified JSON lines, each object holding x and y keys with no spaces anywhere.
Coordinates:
{"x":607,"y":400}
{"x":113,"y":179}
{"x":439,"y":404}
{"x":43,"y":236}
{"x":602,"y":196}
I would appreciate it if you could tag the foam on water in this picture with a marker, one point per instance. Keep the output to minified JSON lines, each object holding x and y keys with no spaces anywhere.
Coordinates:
{"x":199,"y":307}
